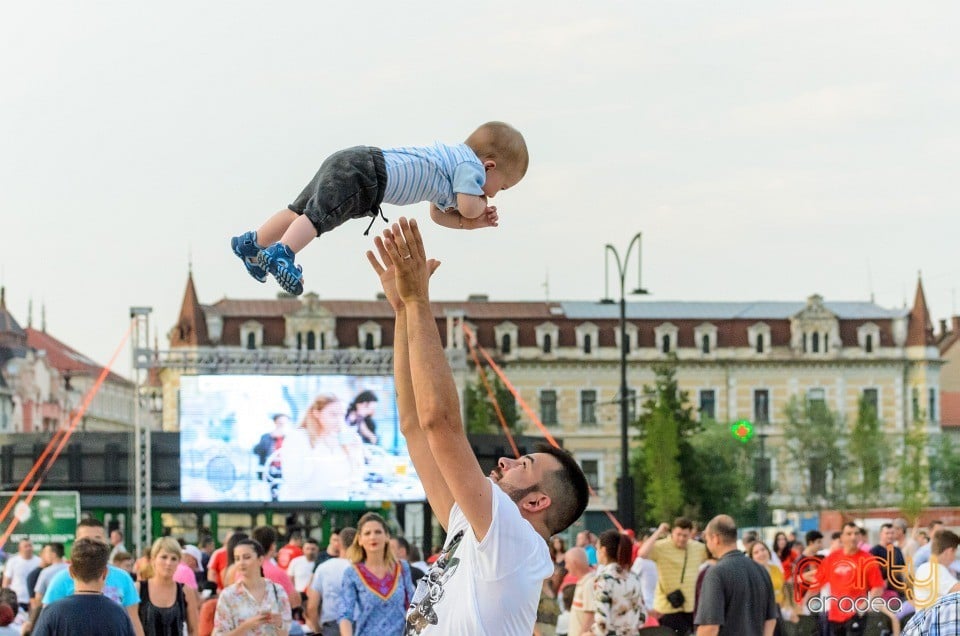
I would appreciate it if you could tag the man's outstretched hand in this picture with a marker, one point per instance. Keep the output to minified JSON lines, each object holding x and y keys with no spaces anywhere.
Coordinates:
{"x":402,"y":264}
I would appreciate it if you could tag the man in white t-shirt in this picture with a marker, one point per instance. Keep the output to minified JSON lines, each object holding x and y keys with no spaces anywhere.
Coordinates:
{"x":933,"y":579}
{"x":300,"y":569}
{"x":322,"y":607}
{"x":18,"y":567}
{"x":488,"y":576}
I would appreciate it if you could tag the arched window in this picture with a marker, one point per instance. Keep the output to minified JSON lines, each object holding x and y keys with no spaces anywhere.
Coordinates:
{"x":323,"y":340}
{"x":251,"y":340}
{"x":815,"y":342}
{"x":626,"y":343}
{"x":505,"y":344}
{"x":665,"y":344}
{"x":311,"y":341}
{"x":760,"y":343}
{"x":368,"y":342}
{"x":299,"y":341}
{"x":705,"y":343}
{"x":868,"y":343}
{"x":547,"y":343}
{"x":587,"y":344}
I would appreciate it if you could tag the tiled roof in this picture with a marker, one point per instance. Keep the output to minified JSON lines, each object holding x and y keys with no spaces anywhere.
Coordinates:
{"x":695,"y":310}
{"x":950,"y":409}
{"x":66,"y":359}
{"x":234,"y":308}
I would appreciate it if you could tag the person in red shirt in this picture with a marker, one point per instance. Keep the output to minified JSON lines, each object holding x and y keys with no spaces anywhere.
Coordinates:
{"x":854,"y":578}
{"x":291,"y":551}
{"x":219,"y":560}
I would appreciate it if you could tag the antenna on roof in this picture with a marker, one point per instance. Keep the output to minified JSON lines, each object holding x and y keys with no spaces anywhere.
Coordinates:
{"x":43,"y":316}
{"x":190,"y":260}
{"x":870,"y":281}
{"x":546,"y":285}
{"x":30,"y":314}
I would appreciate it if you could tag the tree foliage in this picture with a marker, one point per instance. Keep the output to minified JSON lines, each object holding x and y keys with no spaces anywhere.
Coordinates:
{"x":914,"y":475}
{"x":945,"y":470}
{"x":480,"y":412}
{"x":721,"y":481}
{"x":869,"y":453}
{"x":814,"y":438}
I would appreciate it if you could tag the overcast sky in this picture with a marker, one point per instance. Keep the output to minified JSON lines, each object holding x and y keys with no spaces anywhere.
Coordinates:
{"x":766,"y":150}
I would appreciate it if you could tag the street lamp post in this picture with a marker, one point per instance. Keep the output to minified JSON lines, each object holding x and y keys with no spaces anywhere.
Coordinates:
{"x":625,"y":505}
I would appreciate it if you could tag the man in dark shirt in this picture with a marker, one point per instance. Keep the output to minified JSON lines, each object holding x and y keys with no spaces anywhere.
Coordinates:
{"x":890,"y":555}
{"x":737,"y":593}
{"x":87,"y":612}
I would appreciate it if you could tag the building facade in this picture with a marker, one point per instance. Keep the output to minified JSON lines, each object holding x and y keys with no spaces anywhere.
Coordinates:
{"x":736,"y":360}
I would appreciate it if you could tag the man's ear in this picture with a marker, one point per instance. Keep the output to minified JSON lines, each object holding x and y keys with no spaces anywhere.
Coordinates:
{"x":536,"y":502}
{"x":489,"y":164}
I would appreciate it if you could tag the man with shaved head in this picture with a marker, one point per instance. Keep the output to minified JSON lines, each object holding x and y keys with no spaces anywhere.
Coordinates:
{"x":737,"y":595}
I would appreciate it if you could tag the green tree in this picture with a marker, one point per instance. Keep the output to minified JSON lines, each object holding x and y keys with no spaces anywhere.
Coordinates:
{"x":721,"y":481}
{"x":814,"y":438}
{"x":869,"y":453}
{"x":666,"y":458}
{"x":945,"y":470}
{"x":914,"y":474}
{"x":480,"y":412}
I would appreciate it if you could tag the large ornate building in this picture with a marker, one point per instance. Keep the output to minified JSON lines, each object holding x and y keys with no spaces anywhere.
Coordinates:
{"x":43,"y":381}
{"x":737,"y":360}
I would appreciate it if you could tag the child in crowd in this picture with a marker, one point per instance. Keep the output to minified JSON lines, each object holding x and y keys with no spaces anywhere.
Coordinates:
{"x":457,"y":180}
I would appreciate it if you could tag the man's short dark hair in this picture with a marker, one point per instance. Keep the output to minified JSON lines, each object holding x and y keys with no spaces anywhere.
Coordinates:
{"x":346,"y":537}
{"x":89,"y":522}
{"x":933,"y":524}
{"x":403,"y":543}
{"x":683,"y":523}
{"x":724,"y":528}
{"x":750,"y":536}
{"x":312,"y":541}
{"x":266,"y":536}
{"x":943,"y":540}
{"x":884,"y":526}
{"x":813,"y":536}
{"x":835,"y":535}
{"x":567,"y":488}
{"x":88,"y":559}
{"x":57,"y":548}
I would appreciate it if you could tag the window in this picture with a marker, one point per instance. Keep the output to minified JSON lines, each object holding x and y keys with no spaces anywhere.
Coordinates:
{"x":370,"y":334}
{"x":761,"y":475}
{"x":323,"y":340}
{"x":826,"y":343}
{"x":932,"y":404}
{"x":505,"y":344}
{"x":299,"y":341}
{"x":368,"y":341}
{"x":871,"y":398}
{"x":631,"y":405}
{"x":816,"y":401}
{"x":760,"y":343}
{"x":588,"y":406}
{"x":548,"y":406}
{"x":626,"y":343}
{"x":311,"y":341}
{"x":915,"y":403}
{"x":761,"y":406}
{"x":818,"y":476}
{"x":587,"y":343}
{"x":815,"y":342}
{"x":506,"y":334}
{"x":591,"y":470}
{"x":251,"y":340}
{"x":705,"y":343}
{"x":665,"y":344}
{"x":868,"y":343}
{"x":708,"y":404}
{"x":758,"y":337}
{"x":804,"y":341}
{"x":547,"y":343}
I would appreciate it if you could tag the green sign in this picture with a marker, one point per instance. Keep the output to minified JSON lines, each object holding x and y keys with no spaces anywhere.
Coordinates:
{"x":742,"y":430}
{"x":49,"y":517}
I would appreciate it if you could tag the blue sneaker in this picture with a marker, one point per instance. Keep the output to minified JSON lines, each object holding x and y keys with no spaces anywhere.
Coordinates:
{"x":278,"y":260}
{"x":246,"y":248}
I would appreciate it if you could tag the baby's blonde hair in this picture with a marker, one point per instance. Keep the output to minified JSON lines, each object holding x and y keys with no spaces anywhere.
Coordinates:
{"x":502,"y":143}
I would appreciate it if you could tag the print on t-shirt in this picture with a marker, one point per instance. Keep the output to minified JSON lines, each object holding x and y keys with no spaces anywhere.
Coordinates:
{"x":430,"y":589}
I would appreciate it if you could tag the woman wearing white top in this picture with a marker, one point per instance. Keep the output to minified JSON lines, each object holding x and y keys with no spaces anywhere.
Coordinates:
{"x":322,"y":457}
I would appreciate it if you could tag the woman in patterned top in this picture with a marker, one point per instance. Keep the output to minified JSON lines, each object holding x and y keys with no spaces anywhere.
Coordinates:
{"x":378,"y":588}
{"x":253,"y":606}
{"x":616,"y":590}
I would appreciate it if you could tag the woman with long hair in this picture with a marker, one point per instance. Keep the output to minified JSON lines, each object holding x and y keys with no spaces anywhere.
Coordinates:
{"x":616,"y":590}
{"x":322,"y":457}
{"x":360,"y":416}
{"x":165,"y":605}
{"x":760,"y":553}
{"x":228,"y":570}
{"x":253,"y":606}
{"x":378,"y":588}
{"x":786,"y":552}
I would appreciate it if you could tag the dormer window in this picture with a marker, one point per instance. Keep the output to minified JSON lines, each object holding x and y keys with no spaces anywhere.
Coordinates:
{"x":506,"y":336}
{"x":547,"y":334}
{"x":705,"y":337}
{"x":630,"y":343}
{"x":251,"y":335}
{"x":369,"y":335}
{"x":587,"y":334}
{"x":758,"y":335}
{"x":868,"y":337}
{"x":666,"y":337}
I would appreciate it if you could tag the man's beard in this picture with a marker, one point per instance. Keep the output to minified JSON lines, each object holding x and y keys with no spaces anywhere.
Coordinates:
{"x":517,"y":494}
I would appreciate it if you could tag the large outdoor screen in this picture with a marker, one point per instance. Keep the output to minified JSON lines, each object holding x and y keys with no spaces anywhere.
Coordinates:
{"x":292,"y":439}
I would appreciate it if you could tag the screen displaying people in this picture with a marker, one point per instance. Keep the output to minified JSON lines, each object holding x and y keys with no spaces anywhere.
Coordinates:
{"x":292,"y":438}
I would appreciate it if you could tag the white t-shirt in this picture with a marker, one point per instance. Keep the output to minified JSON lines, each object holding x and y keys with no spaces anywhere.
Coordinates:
{"x":922,"y":586}
{"x":483,"y":588}
{"x":647,"y":571}
{"x":328,"y":579}
{"x":17,"y":570}
{"x":300,"y":572}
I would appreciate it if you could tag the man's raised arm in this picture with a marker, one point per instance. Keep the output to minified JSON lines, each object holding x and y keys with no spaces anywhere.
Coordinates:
{"x":438,"y":495}
{"x":434,"y":390}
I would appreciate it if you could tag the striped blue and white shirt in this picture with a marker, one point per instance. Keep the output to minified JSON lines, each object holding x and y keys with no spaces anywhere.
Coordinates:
{"x":432,"y":173}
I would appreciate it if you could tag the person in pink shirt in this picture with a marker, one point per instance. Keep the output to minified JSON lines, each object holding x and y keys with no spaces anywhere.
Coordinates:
{"x":187,"y":569}
{"x":266,"y":536}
